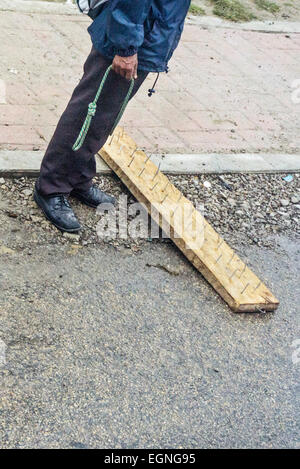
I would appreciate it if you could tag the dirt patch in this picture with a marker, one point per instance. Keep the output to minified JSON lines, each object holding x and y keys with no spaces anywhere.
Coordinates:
{"x":245,"y":10}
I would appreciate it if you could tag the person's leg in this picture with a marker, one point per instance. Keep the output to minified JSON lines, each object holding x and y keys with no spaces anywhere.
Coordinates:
{"x":62,"y":169}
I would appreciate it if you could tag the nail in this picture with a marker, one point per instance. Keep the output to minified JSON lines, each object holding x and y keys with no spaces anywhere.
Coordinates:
{"x":260,"y":310}
{"x":234,"y":272}
{"x":142,"y":171}
{"x":245,"y":288}
{"x":111,"y":140}
{"x":131,"y":161}
{"x":218,"y":258}
{"x":243,"y":270}
{"x":147,"y":159}
{"x":157,"y":171}
{"x":166,"y":186}
{"x":259,"y":284}
{"x":180,"y":197}
{"x":154,"y":186}
{"x":229,"y":262}
{"x":164,"y":198}
{"x":221,"y":244}
{"x":132,"y":157}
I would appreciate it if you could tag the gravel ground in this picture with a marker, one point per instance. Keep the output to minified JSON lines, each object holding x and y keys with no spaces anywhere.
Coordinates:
{"x":244,"y":209}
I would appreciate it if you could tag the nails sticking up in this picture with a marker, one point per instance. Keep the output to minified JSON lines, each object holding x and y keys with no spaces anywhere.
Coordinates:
{"x":259,"y":310}
{"x":218,"y":258}
{"x":233,"y":274}
{"x":148,"y":158}
{"x":156,"y":172}
{"x":142,"y":171}
{"x":245,"y":267}
{"x":132,"y":157}
{"x":180,"y":197}
{"x":221,"y":243}
{"x":164,"y":198}
{"x":168,"y":183}
{"x":231,"y":259}
{"x":245,"y":288}
{"x":257,"y":286}
{"x":111,"y":140}
{"x":154,"y":186}
{"x":146,"y":161}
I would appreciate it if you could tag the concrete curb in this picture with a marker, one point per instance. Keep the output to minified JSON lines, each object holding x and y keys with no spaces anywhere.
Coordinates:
{"x":27,"y":163}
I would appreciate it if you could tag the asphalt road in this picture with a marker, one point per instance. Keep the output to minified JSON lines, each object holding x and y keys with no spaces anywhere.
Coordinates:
{"x":104,"y":351}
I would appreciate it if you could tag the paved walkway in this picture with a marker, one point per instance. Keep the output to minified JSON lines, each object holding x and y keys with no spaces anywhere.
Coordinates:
{"x":227,"y":90}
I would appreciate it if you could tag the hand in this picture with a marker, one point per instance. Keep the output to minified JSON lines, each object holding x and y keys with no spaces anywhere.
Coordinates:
{"x":126,"y":66}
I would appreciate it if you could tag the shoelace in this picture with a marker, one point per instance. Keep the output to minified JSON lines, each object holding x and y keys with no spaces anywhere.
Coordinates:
{"x":61,"y":202}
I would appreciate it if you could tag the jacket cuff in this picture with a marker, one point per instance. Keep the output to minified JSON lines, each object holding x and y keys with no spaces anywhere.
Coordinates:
{"x":126,"y":52}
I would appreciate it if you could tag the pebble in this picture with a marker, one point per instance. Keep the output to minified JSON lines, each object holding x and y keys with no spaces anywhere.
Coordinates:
{"x":71,"y":236}
{"x":284,"y":202}
{"x":2,"y":181}
{"x":231,"y":202}
{"x":36,"y":219}
{"x":27,"y":192}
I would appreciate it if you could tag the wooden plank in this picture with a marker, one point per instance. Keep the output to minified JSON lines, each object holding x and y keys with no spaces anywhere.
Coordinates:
{"x":192,"y":234}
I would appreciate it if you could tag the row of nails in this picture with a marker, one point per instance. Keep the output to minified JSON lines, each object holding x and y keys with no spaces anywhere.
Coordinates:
{"x":180,"y":197}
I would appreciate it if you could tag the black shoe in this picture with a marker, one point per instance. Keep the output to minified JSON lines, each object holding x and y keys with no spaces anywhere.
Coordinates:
{"x":93,"y":197}
{"x":58,"y":210}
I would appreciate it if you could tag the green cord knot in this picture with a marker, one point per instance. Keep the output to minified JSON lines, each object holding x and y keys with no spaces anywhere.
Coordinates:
{"x":92,"y":109}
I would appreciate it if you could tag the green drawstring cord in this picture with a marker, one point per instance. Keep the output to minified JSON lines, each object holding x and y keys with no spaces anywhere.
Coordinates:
{"x":92,"y":111}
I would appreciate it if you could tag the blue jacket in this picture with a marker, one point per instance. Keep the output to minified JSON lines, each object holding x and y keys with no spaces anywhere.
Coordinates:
{"x":150,"y":27}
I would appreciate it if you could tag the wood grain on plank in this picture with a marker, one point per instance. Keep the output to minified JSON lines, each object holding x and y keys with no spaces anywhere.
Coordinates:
{"x":192,"y":234}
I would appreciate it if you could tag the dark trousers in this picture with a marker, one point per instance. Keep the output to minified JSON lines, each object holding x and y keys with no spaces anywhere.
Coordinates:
{"x":62,"y":169}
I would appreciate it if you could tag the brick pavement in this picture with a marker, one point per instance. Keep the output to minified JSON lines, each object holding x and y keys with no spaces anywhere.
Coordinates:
{"x":227,"y":90}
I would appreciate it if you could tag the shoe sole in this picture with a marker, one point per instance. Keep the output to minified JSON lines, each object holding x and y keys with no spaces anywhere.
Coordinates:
{"x":72,"y":230}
